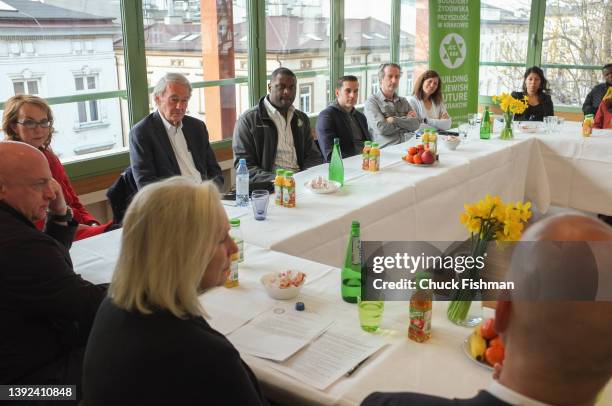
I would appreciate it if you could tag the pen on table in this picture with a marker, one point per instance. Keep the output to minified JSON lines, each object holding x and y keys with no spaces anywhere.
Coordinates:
{"x":356,"y":367}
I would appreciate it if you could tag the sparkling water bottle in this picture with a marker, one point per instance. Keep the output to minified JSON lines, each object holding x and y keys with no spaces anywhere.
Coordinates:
{"x":242,"y":184}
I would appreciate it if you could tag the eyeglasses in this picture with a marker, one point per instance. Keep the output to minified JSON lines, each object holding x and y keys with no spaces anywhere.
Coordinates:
{"x":31,"y":124}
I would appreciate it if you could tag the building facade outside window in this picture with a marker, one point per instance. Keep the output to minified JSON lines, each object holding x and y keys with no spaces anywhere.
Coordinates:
{"x":306,"y":96}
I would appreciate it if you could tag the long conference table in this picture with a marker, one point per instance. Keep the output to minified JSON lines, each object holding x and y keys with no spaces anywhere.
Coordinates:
{"x":400,"y":202}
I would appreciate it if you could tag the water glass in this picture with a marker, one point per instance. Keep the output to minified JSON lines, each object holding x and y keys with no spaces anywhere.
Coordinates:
{"x":473,"y":119}
{"x":463,"y":131}
{"x":259,"y":202}
{"x":370,"y":313}
{"x":550,"y":123}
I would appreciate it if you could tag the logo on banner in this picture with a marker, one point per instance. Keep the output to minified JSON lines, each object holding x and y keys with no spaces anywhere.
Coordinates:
{"x":452,"y":50}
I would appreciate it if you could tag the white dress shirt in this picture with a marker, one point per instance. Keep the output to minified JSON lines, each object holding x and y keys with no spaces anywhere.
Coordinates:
{"x":181,"y":151}
{"x":286,"y":157}
{"x":509,"y":396}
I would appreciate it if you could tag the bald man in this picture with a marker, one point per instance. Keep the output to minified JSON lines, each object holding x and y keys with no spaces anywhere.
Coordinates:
{"x":557,"y":352}
{"x":46,"y":310}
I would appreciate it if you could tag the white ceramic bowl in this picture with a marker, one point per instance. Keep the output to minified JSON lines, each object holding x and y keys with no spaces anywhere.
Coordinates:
{"x":451,"y":142}
{"x":529,"y":126}
{"x":333,"y":186}
{"x":279,"y":293}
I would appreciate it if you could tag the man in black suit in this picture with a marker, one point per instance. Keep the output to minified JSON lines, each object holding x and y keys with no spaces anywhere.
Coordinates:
{"x":558,"y":349}
{"x":167,"y":142}
{"x":341,"y":120}
{"x":46,"y":310}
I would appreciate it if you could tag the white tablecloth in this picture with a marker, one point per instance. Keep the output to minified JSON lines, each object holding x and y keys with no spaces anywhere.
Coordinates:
{"x":437,"y":367}
{"x":579,"y":169}
{"x":402,"y":201}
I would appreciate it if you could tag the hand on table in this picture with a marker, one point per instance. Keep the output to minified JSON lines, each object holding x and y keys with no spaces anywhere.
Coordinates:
{"x":444,"y":115}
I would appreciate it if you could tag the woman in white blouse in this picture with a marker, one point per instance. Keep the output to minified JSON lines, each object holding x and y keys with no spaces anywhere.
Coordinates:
{"x":426,"y":101}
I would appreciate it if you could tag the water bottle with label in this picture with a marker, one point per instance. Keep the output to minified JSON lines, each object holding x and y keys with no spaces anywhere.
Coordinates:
{"x":351,"y":271}
{"x":242,"y":184}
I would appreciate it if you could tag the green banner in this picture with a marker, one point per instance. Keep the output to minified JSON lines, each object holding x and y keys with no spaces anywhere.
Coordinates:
{"x":454,"y":47}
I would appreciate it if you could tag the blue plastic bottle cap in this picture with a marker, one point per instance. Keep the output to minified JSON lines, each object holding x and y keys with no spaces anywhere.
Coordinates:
{"x":299,"y":306}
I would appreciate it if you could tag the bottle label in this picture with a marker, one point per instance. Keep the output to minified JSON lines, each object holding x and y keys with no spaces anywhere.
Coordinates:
{"x":240,"y":253}
{"x":420,"y":322}
{"x":278,"y":194}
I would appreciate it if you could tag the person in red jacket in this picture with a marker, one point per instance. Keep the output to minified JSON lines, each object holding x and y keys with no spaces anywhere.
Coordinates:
{"x":603,"y":117}
{"x":29,"y":119}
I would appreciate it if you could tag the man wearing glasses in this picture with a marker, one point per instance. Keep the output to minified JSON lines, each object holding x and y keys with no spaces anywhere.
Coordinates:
{"x":167,"y":142}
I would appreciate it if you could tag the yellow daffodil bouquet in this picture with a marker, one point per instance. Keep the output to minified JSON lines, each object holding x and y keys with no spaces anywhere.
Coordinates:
{"x":487,"y":220}
{"x":510,"y":106}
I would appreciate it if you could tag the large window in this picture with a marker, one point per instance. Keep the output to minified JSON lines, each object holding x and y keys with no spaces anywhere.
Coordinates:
{"x":66,"y":48}
{"x":297,"y":37}
{"x":367,"y":32}
{"x":206,"y":41}
{"x":414,"y":42}
{"x":576,"y":45}
{"x":504,"y":32}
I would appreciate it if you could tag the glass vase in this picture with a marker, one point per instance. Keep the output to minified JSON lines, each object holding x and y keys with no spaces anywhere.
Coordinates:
{"x":507,"y":133}
{"x":465,"y":308}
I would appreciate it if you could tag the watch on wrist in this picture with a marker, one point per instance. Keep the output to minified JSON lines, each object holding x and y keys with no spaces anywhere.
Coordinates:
{"x":60,"y":218}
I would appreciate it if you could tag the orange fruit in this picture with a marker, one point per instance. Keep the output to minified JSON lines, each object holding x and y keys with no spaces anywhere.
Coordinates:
{"x":412,"y":151}
{"x":494,"y":355}
{"x":410,"y":158}
{"x":417,"y":159}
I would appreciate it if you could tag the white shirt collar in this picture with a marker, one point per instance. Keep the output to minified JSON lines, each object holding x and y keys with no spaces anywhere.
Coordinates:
{"x":512,"y":397}
{"x":272,"y":111}
{"x":169,"y":126}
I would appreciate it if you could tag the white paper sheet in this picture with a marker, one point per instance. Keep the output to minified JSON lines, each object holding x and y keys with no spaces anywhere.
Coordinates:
{"x":279,"y":332}
{"x":340,"y":349}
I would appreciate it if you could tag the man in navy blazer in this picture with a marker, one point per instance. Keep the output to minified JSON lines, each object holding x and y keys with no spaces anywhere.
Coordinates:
{"x":341,"y":120}
{"x":167,"y":142}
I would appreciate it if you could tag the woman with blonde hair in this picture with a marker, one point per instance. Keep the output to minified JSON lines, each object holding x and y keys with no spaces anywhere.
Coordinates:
{"x":29,"y":119}
{"x":150,"y":343}
{"x":428,"y":102}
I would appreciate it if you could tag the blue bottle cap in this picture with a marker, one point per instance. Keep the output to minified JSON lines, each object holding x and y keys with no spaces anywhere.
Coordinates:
{"x":299,"y":306}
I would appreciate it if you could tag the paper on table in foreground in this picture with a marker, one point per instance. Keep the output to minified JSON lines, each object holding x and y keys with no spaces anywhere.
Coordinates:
{"x":331,"y":355}
{"x":226,"y":318}
{"x":279,"y":332}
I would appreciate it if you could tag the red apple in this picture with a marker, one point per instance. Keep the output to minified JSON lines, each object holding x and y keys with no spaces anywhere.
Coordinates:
{"x":428,"y":158}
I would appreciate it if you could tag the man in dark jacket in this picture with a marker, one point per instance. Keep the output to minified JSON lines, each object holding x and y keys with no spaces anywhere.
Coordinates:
{"x":167,"y":142}
{"x":46,"y":310}
{"x":593,"y":99}
{"x":274,"y":134}
{"x":341,"y":120}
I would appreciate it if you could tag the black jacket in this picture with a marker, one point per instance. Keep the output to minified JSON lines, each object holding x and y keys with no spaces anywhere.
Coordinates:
{"x":256,"y":139}
{"x":334,"y":123}
{"x":594,"y":98}
{"x":159,"y":359}
{"x":152,"y":157}
{"x":535,"y":113}
{"x":46,"y":309}
{"x":483,"y":398}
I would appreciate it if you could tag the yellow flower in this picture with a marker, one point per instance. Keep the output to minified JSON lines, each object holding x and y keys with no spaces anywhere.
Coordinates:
{"x":491,"y":218}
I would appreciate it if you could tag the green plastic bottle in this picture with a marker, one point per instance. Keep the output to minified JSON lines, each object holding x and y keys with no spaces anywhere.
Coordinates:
{"x":351,"y":271}
{"x":485,"y":125}
{"x":336,"y":167}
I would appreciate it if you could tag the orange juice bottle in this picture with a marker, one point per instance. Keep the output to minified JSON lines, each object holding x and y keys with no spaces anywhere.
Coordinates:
{"x":289,"y":190}
{"x":374,"y":161}
{"x":587,"y":125}
{"x":365,"y":155}
{"x":419,"y":329}
{"x":232,"y":278}
{"x":278,"y":186}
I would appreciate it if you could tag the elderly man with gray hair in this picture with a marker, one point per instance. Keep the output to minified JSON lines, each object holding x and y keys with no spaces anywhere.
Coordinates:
{"x":389,"y":115}
{"x":167,"y":142}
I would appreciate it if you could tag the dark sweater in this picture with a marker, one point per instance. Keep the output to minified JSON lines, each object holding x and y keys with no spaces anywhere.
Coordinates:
{"x":159,"y":359}
{"x":333,"y":122}
{"x":535,"y":113}
{"x":46,"y":310}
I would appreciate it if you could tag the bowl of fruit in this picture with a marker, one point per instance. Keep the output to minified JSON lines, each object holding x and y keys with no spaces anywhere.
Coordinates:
{"x":419,"y":156}
{"x":484,"y":346}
